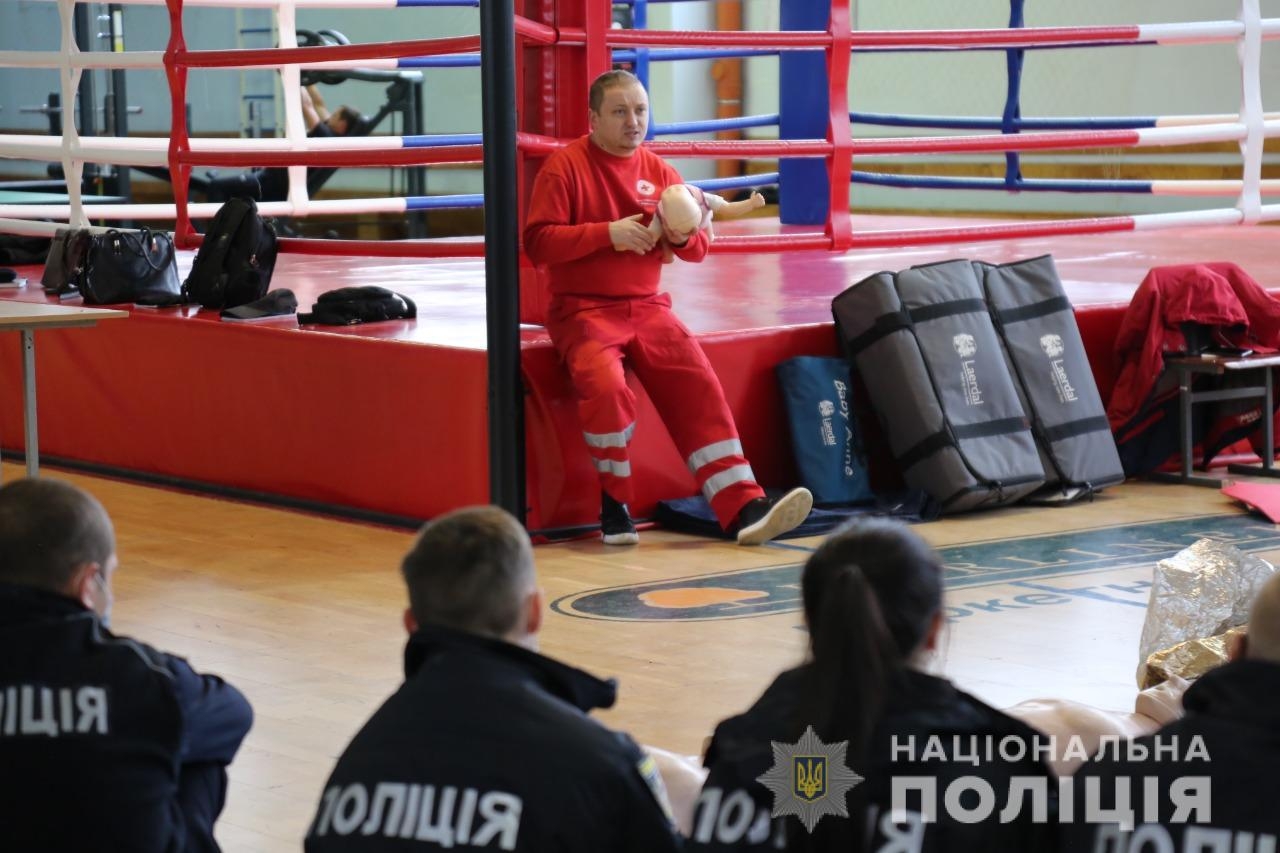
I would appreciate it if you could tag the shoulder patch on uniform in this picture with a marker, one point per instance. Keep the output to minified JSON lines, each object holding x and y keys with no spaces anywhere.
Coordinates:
{"x":648,"y":770}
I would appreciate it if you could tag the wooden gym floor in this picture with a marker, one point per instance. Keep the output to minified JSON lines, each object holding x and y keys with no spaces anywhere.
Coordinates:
{"x":302,"y":613}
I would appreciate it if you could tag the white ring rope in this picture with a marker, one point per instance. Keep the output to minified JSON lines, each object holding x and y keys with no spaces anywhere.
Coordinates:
{"x":1250,"y":128}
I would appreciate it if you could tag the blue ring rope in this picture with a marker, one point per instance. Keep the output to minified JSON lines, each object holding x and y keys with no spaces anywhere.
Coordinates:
{"x":741,"y":182}
{"x":939,"y":182}
{"x":711,"y":125}
{"x":765,"y":179}
{"x":979,"y":123}
{"x":439,"y":140}
{"x":673,"y":53}
{"x":438,"y":202}
{"x":466,"y":60}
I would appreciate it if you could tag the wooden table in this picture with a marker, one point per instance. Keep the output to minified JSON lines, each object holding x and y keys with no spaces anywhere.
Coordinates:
{"x":1186,"y":368}
{"x":27,"y":317}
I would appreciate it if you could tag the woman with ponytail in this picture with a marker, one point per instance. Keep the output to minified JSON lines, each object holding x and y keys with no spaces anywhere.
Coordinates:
{"x":873,"y":607}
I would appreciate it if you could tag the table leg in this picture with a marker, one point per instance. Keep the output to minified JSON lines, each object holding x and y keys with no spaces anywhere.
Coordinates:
{"x":1186,"y":438}
{"x":29,"y":402}
{"x":1268,"y":426}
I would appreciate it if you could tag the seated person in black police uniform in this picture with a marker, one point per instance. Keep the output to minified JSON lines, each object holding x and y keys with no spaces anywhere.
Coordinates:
{"x":1219,"y":760}
{"x":873,"y":604}
{"x":106,"y":744}
{"x":487,"y":744}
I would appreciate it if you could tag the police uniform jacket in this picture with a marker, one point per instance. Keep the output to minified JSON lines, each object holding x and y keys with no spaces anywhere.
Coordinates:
{"x":918,"y":707}
{"x":95,"y":729}
{"x":1234,"y":711}
{"x":487,"y":745}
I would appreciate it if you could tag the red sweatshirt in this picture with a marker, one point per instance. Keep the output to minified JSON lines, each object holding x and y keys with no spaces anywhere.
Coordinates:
{"x":579,"y":191}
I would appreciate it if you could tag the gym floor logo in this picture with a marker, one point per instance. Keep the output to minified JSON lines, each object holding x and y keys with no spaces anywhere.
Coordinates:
{"x":809,"y":779}
{"x":770,"y":589}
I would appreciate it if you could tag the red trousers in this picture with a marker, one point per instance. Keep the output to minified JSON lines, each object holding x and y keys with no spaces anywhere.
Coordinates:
{"x":593,"y":337}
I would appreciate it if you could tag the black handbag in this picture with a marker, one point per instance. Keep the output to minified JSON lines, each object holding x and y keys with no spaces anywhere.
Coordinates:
{"x":131,"y":266}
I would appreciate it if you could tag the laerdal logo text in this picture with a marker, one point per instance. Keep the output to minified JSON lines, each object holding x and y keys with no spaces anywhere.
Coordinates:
{"x":1066,"y":393}
{"x":972,"y":393}
{"x":826,"y":410}
{"x":964,"y":345}
{"x":1052,"y":345}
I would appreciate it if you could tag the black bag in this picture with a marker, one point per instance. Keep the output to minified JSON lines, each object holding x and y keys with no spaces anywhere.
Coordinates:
{"x":15,"y":249}
{"x":234,"y":264}
{"x":67,"y":255}
{"x":130,"y":266}
{"x":348,"y":306}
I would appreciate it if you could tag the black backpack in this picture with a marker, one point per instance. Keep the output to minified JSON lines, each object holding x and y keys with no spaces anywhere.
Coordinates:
{"x":234,"y":264}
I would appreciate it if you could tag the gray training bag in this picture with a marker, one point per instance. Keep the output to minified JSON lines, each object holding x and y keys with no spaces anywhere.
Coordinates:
{"x":925,"y":347}
{"x":1047,"y":357}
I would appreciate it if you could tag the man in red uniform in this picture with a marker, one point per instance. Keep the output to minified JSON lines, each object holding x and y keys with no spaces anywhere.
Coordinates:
{"x":586,"y":223}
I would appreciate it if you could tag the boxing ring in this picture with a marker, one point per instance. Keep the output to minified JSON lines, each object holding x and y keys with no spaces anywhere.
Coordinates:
{"x":393,"y":421}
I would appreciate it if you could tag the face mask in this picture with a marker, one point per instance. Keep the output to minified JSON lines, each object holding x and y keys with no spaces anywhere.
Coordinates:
{"x":104,"y":615}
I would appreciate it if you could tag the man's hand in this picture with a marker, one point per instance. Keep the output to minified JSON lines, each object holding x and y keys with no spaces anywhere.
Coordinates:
{"x":628,"y":235}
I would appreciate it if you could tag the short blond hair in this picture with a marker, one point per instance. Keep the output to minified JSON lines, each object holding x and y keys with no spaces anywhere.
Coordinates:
{"x":606,"y":81}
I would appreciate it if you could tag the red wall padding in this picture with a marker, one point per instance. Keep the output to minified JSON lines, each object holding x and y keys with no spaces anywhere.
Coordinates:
{"x":355,"y":421}
{"x":377,"y":424}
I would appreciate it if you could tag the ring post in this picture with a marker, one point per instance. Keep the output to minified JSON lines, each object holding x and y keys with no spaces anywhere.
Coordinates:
{"x":1010,"y":121}
{"x":175,"y":70}
{"x":501,"y":257}
{"x":640,"y":21}
{"x":839,"y":133}
{"x":803,"y":193}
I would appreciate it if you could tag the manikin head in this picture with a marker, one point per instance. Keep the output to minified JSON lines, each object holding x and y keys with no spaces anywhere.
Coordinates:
{"x":681,"y":212}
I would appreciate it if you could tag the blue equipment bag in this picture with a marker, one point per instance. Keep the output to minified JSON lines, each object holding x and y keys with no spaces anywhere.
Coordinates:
{"x":824,"y":433}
